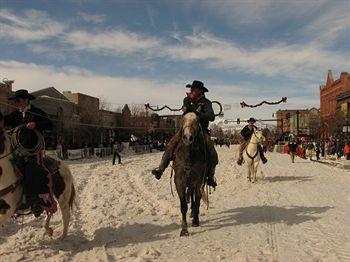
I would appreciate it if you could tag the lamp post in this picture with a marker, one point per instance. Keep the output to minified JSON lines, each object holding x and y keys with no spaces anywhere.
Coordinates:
{"x":298,"y":122}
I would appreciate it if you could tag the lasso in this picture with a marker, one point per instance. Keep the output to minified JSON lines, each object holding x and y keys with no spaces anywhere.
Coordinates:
{"x":283,"y":100}
{"x":176,"y":110}
{"x":15,"y":142}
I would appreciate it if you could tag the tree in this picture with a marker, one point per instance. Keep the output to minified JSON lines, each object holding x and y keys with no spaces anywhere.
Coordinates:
{"x":138,"y":110}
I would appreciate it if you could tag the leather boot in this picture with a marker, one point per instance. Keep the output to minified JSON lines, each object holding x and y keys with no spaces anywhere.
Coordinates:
{"x":158,"y":172}
{"x":262,"y":156}
{"x":211,"y":178}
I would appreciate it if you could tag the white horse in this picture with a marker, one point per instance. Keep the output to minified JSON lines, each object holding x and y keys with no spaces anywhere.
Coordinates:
{"x":251,"y":154}
{"x":11,"y":189}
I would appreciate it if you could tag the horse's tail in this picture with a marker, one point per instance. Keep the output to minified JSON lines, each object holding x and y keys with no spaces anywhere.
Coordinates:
{"x":72,"y":197}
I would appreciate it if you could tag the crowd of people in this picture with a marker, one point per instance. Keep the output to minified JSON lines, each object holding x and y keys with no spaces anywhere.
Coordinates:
{"x":320,"y":148}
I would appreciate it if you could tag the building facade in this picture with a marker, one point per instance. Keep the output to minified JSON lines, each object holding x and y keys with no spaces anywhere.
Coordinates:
{"x":5,"y":92}
{"x":330,"y":105}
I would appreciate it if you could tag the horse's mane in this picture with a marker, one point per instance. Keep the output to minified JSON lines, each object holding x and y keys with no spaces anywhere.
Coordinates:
{"x":3,"y":137}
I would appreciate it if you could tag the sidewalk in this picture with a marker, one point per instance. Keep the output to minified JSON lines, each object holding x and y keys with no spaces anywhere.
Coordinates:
{"x":340,"y":163}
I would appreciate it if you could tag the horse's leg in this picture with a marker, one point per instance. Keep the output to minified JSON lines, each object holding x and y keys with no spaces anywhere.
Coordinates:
{"x":48,"y":229}
{"x":184,"y":207}
{"x":192,"y":204}
{"x":248,"y":171}
{"x":65,"y":206}
{"x":65,"y":210}
{"x":197,"y":202}
{"x":254,"y":171}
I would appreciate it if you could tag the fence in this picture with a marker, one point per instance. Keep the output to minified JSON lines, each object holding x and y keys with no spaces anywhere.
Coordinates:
{"x":97,"y":152}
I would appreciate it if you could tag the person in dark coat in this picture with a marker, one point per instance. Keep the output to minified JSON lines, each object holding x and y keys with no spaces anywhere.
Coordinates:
{"x":116,"y":147}
{"x":195,"y":99}
{"x":292,"y":145}
{"x":36,"y":190}
{"x":246,"y":133}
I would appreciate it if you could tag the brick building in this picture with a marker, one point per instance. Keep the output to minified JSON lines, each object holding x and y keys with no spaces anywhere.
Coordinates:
{"x":283,"y":118}
{"x":309,"y":122}
{"x":5,"y":93}
{"x":331,"y":118}
{"x":88,"y":106}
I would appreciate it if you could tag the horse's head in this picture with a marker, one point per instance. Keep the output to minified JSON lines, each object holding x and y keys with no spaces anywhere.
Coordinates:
{"x":257,"y":136}
{"x":190,"y":128}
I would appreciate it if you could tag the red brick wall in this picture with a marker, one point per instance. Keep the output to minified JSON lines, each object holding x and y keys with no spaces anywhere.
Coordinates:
{"x":328,"y":101}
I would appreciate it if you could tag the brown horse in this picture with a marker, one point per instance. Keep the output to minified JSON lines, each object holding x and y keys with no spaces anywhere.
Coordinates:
{"x":190,"y":167}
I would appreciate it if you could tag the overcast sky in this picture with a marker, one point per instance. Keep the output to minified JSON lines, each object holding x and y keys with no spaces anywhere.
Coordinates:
{"x":147,"y":51}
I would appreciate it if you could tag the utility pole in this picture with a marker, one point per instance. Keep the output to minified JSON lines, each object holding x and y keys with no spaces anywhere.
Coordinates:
{"x":282,"y":125}
{"x":298,"y":122}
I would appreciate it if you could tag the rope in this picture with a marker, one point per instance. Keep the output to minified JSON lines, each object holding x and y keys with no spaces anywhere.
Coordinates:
{"x":283,"y":100}
{"x":179,"y":109}
{"x":35,"y":150}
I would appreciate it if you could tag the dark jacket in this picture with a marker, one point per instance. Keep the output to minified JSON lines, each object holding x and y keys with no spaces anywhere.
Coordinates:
{"x":292,"y":147}
{"x":34,"y":114}
{"x":206,"y":114}
{"x":247,"y":132}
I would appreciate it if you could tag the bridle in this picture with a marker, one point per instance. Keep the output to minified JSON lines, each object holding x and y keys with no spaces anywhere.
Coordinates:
{"x":250,"y":142}
{"x":258,"y":143}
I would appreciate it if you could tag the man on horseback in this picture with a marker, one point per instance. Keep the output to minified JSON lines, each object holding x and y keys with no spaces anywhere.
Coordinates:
{"x":198,"y":103}
{"x":35,"y":181}
{"x":247,"y":132}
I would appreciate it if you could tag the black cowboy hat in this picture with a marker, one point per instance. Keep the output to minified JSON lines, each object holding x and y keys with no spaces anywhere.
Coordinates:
{"x":251,"y":120}
{"x":198,"y":84}
{"x":22,"y":93}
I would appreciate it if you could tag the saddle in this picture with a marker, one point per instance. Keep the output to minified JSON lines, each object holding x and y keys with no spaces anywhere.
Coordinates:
{"x":48,"y":167}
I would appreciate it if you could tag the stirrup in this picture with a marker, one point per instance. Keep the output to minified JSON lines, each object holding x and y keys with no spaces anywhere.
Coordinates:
{"x":240,"y":161}
{"x":36,"y":209}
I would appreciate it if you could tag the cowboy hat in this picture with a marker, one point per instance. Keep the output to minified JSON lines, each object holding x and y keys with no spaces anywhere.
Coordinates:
{"x":251,"y":120}
{"x":198,"y":84}
{"x":21,"y":93}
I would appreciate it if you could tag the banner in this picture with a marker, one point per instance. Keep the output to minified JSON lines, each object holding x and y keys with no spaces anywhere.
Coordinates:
{"x":74,"y":154}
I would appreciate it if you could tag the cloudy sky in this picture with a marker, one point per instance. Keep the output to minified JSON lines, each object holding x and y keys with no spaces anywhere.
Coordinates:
{"x":147,"y":51}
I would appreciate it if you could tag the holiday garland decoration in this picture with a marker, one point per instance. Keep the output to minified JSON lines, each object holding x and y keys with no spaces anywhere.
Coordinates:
{"x":179,"y":109}
{"x":283,"y":100}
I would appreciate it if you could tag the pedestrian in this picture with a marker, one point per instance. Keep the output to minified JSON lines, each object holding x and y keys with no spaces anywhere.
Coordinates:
{"x":292,"y":148}
{"x":339,"y":149}
{"x":116,"y":148}
{"x":310,"y":148}
{"x":347,"y":150}
{"x":318,"y":150}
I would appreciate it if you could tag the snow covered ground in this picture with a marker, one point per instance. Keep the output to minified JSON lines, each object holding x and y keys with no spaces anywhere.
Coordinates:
{"x":296,"y":212}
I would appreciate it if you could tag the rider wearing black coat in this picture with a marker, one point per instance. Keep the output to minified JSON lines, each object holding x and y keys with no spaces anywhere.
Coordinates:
{"x":247,"y":133}
{"x":35,"y":179}
{"x":203,"y":108}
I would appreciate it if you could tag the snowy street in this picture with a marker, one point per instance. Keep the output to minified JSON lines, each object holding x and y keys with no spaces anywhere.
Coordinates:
{"x":296,"y":212}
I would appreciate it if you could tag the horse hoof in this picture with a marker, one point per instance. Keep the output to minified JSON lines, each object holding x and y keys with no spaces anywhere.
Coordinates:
{"x":184,"y":233}
{"x":195,"y":223}
{"x":50,"y":232}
